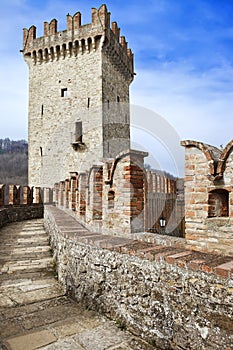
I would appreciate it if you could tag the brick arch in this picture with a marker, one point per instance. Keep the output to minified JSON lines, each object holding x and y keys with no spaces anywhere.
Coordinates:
{"x":89,"y":173}
{"x":206,"y":149}
{"x":224,"y":156}
{"x":114,"y":165}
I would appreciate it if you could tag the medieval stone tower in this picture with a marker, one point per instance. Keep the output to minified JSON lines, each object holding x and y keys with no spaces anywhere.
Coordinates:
{"x":78,"y":96}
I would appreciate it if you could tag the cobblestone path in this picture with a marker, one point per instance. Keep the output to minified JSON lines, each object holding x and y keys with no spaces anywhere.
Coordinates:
{"x":34,"y":311}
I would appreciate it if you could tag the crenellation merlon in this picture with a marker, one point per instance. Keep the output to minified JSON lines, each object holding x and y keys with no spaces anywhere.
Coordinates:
{"x":116,"y":30}
{"x":50,"y":28}
{"x":54,"y":41}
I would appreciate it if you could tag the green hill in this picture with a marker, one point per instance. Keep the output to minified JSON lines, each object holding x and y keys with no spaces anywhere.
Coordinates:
{"x":13,"y":162}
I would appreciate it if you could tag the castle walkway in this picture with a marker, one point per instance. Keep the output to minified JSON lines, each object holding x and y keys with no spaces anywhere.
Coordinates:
{"x":34,"y":311}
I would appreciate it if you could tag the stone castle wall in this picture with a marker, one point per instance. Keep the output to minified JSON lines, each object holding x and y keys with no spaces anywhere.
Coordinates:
{"x":79,"y":75}
{"x":173,"y":298}
{"x":209,"y":197}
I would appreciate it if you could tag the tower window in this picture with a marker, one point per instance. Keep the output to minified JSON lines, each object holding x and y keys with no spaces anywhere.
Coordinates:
{"x":118,"y":98}
{"x":64,"y":92}
{"x":78,"y":132}
{"x":88,"y":102}
{"x":42,"y":109}
{"x":41,"y":152}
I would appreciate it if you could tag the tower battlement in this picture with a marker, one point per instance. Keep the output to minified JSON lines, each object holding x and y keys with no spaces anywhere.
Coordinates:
{"x":78,"y":39}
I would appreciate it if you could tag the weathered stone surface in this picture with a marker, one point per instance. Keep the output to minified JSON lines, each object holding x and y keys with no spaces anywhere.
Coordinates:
{"x":34,"y":312}
{"x":61,"y":100}
{"x":31,"y":341}
{"x":20,"y":213}
{"x":155,"y":292}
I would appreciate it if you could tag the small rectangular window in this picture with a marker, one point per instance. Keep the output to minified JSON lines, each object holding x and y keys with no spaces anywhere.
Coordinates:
{"x":78,"y":132}
{"x":42,"y":109}
{"x":88,"y":102}
{"x":64,"y":92}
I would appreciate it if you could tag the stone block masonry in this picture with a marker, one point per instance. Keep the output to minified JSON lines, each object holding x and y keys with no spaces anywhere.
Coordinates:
{"x":78,"y":96}
{"x":173,"y":298}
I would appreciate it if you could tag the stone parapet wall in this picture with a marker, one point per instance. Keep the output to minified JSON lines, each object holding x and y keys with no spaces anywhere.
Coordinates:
{"x":120,"y":197}
{"x":24,"y":195}
{"x":12,"y":213}
{"x":172,"y":297}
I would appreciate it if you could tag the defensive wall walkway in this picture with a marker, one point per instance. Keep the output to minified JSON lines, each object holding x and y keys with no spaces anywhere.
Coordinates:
{"x":171,"y":297}
{"x":35,"y":313}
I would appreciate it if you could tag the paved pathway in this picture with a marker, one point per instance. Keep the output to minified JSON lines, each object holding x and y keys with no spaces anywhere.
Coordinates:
{"x":34,"y":311}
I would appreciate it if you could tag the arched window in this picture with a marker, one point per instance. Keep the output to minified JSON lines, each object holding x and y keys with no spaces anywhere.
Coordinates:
{"x":218,"y":203}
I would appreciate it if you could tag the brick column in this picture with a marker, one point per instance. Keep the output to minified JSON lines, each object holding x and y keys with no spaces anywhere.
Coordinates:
{"x":27,"y":195}
{"x":125,"y":190}
{"x":14,"y":195}
{"x":82,"y":194}
{"x":67,"y":192}
{"x":2,"y":195}
{"x":56,"y":193}
{"x":37,"y":195}
{"x":73,"y":188}
{"x":97,"y":193}
{"x":61,"y":194}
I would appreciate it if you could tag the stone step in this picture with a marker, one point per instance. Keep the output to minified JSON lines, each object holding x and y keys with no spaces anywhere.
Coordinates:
{"x":35,"y":313}
{"x":18,"y":297}
{"x":24,"y":255}
{"x":21,"y":265}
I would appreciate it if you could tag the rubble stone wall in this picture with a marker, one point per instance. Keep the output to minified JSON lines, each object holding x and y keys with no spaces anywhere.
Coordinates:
{"x":173,"y":298}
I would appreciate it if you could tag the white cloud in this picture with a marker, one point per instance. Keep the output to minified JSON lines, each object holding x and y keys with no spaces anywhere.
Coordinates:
{"x":199,"y":106}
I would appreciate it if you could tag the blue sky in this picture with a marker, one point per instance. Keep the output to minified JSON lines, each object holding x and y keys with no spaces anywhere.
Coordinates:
{"x":183,"y":60}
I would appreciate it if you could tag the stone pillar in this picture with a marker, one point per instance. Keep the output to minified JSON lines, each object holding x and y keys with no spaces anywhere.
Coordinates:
{"x":82,"y":195}
{"x":14,"y":195}
{"x":72,"y":192}
{"x":2,"y":195}
{"x":37,"y":195}
{"x":27,"y":195}
{"x":67,"y":192}
{"x":61,"y":194}
{"x":56,"y":193}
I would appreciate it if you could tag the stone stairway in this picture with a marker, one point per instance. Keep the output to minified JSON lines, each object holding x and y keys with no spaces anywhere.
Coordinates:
{"x":34,"y":310}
